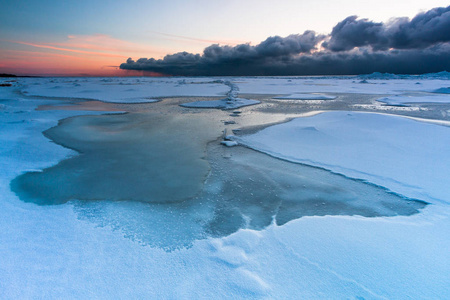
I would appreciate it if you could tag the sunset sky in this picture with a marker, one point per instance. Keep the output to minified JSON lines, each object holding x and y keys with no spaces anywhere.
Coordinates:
{"x":95,"y":37}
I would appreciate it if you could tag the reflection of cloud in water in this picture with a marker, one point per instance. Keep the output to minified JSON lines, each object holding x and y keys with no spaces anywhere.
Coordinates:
{"x":132,"y":157}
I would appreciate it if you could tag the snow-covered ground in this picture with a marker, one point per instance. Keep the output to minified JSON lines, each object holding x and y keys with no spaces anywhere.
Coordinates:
{"x":140,"y":89}
{"x":51,"y":252}
{"x":128,"y":90}
{"x":329,"y":85}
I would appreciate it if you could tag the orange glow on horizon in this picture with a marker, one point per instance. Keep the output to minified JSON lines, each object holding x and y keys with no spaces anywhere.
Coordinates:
{"x":96,"y":55}
{"x":37,"y":63}
{"x":93,"y":55}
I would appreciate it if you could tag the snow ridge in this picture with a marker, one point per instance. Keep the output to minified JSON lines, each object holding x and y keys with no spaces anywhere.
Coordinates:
{"x":444,"y":75}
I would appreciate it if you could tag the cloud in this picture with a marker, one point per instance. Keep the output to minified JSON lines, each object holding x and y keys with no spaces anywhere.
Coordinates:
{"x":424,"y":30}
{"x":351,"y":33}
{"x":361,"y":61}
{"x":68,"y":49}
{"x":228,"y":58}
{"x":355,"y":46}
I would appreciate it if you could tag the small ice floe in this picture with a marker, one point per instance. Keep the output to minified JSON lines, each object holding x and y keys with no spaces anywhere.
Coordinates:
{"x":228,"y":139}
{"x":136,"y":100}
{"x":149,"y":100}
{"x":401,"y":100}
{"x":229,"y":143}
{"x":393,"y":101}
{"x":306,"y":97}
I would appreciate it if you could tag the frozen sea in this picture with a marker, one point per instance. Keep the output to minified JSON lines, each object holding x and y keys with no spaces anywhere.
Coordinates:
{"x":332,"y":187}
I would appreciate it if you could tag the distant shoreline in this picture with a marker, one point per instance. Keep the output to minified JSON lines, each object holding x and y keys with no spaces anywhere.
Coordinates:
{"x":3,"y":75}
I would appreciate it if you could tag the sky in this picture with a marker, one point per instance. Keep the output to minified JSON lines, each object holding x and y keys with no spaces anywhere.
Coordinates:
{"x":97,"y":38}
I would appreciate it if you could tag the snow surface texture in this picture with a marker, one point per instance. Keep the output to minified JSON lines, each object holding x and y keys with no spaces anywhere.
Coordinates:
{"x":47,"y":252}
{"x":404,"y":100}
{"x":306,"y":97}
{"x":231,"y":102}
{"x":406,"y":156}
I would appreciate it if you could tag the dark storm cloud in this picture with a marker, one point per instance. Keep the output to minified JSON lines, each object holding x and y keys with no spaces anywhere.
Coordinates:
{"x":424,"y":30}
{"x":351,"y":33}
{"x":363,"y":61}
{"x":420,"y":45}
{"x":227,"y":57}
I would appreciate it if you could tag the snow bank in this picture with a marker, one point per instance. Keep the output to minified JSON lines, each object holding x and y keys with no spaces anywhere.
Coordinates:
{"x":389,"y":76}
{"x":406,"y":156}
{"x":440,"y":75}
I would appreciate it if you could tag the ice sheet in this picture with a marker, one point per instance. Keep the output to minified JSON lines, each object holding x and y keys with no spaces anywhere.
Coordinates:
{"x":330,"y":85}
{"x":403,"y":155}
{"x":145,"y":89}
{"x":129,"y":90}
